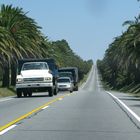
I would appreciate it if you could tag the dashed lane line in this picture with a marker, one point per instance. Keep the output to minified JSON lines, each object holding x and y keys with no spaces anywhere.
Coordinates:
{"x":7,"y":129}
{"x":12,"y":124}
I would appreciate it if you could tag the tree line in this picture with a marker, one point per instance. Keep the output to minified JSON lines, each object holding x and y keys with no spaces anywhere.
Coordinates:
{"x":21,"y":37}
{"x":120,"y":67}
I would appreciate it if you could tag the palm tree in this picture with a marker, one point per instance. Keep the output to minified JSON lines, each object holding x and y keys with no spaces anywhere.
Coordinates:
{"x":5,"y":55}
{"x":123,"y":57}
{"x":24,"y":33}
{"x":20,"y":37}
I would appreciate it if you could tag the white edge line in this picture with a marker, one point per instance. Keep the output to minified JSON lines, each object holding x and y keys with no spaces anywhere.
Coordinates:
{"x":125,"y":106}
{"x":45,"y":107}
{"x":3,"y":100}
{"x":89,"y":75}
{"x":7,"y":129}
{"x":98,"y":84}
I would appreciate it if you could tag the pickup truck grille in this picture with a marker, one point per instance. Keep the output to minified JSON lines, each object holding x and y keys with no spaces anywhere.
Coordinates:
{"x":40,"y":79}
{"x":62,"y":86}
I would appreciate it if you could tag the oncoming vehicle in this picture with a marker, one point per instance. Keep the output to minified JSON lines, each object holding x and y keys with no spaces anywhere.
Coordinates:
{"x":66,"y":74}
{"x":35,"y":76}
{"x":65,"y":84}
{"x":74,"y":74}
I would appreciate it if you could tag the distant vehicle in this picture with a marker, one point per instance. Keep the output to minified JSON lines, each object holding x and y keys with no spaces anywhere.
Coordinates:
{"x":65,"y":83}
{"x":74,"y":71}
{"x":66,"y":74}
{"x":36,"y":75}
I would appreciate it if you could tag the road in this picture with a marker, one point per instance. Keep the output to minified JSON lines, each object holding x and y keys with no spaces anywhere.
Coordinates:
{"x":89,"y":114}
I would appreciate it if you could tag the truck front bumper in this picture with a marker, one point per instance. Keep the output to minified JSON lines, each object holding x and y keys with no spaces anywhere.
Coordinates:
{"x":33,"y":85}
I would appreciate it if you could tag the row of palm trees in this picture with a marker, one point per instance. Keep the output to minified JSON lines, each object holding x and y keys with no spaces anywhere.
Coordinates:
{"x":120,"y":68}
{"x":66,"y":57}
{"x":20,"y":37}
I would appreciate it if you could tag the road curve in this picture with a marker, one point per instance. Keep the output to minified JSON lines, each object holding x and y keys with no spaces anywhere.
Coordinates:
{"x":87,"y":114}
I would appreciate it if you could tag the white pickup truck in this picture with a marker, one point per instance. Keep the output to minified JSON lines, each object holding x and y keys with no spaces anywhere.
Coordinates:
{"x":34,"y":77}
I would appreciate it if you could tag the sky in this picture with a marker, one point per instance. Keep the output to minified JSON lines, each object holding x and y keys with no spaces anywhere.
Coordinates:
{"x":89,"y":26}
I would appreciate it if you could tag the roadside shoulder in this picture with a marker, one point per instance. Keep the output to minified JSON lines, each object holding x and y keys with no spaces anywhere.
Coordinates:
{"x":129,"y":104}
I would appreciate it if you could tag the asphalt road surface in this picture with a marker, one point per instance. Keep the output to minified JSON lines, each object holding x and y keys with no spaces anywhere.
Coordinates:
{"x":89,"y":114}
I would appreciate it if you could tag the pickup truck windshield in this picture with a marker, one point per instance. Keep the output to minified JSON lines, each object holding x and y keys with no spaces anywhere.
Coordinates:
{"x":34,"y":66}
{"x":63,"y":81}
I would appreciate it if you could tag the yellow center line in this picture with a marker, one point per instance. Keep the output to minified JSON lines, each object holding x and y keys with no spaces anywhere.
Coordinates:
{"x":29,"y":113}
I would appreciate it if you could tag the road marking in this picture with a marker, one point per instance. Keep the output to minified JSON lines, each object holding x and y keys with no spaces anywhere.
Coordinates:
{"x":3,"y":100}
{"x":126,"y":107}
{"x":60,"y":99}
{"x":89,"y":75}
{"x":45,"y":107}
{"x":7,"y":126}
{"x":7,"y":129}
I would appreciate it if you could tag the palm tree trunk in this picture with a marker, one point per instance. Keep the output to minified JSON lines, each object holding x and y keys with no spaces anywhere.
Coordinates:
{"x":13,"y":74}
{"x":6,"y":75}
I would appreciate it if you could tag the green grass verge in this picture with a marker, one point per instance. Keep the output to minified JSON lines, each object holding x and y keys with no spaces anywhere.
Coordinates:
{"x":132,"y":89}
{"x":4,"y":92}
{"x":84,"y":79}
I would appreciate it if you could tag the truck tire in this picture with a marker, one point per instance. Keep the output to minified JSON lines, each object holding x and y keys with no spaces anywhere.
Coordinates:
{"x":55,"y":91}
{"x":51,"y":92}
{"x":71,"y":91}
{"x":55,"y":87}
{"x":76,"y":88}
{"x":25,"y":93}
{"x":19,"y":93}
{"x":30,"y":93}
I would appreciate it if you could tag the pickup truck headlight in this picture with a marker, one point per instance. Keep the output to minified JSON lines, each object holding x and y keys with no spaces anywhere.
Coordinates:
{"x":19,"y":80}
{"x":47,"y":79}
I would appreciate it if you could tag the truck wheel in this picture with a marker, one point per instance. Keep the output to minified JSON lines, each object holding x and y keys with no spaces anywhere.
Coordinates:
{"x":71,"y":91}
{"x":19,"y":93}
{"x":51,"y":91}
{"x":25,"y":93}
{"x":55,"y":91}
{"x":30,"y":93}
{"x":76,"y":88}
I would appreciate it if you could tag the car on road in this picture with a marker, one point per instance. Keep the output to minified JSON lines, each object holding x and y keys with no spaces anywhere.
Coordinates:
{"x":65,"y":84}
{"x":66,"y":74}
{"x":74,"y":73}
